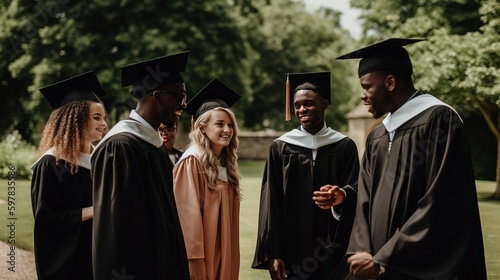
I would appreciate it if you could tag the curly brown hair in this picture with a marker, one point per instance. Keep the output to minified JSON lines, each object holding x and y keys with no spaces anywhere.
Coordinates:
{"x":65,"y":131}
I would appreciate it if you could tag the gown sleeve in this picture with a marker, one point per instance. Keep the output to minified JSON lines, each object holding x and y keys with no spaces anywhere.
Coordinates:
{"x":120,"y":205}
{"x":269,"y":244}
{"x":350,"y":186}
{"x":360,"y":240}
{"x":48,"y":178}
{"x":56,"y":228}
{"x":189,"y":185}
{"x":350,"y":182}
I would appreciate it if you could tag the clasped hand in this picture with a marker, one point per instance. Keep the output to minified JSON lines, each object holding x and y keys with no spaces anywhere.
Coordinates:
{"x":361,"y":265}
{"x":328,"y":196}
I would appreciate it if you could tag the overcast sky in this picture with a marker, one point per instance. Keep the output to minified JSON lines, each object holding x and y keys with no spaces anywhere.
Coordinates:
{"x":349,"y":15}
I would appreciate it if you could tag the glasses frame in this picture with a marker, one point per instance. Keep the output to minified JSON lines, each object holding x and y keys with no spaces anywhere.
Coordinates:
{"x":167,"y":130}
{"x":184,"y":95}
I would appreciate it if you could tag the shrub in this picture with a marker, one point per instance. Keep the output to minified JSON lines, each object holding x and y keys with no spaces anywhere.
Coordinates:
{"x":16,"y":152}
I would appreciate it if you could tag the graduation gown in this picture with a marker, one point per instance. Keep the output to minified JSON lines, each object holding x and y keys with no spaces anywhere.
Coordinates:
{"x":62,"y":242}
{"x":136,"y":227}
{"x":173,"y":156}
{"x":417,"y":211}
{"x":209,"y":218}
{"x":291,"y":227}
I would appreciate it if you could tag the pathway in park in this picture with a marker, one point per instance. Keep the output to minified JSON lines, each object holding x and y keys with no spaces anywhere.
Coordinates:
{"x":23,"y":266}
{"x":16,"y":264}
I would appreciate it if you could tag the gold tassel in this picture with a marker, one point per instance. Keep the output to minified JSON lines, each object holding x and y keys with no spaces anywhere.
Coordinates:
{"x":287,"y":100}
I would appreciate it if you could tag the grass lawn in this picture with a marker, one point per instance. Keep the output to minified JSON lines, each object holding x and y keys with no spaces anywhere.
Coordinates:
{"x":23,"y":214}
{"x":251,"y":180}
{"x":491,"y":227}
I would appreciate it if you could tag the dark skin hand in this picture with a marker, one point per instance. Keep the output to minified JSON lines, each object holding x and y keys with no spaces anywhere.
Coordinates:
{"x":277,"y":269}
{"x":328,"y":196}
{"x":362,"y":265}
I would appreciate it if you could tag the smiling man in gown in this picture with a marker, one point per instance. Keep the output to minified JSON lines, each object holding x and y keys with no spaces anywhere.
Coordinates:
{"x":137,"y":233}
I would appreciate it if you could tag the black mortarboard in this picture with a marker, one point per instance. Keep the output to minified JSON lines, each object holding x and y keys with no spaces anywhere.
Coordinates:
{"x":214,"y":94}
{"x":320,"y":83}
{"x":384,"y":55}
{"x":148,"y":75}
{"x":85,"y":86}
{"x":319,"y":80}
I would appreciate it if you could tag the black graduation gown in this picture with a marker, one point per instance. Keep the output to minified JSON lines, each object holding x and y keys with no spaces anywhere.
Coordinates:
{"x":62,"y":242}
{"x":177,"y":154}
{"x":170,"y":164}
{"x":417,"y":209}
{"x":291,"y":227}
{"x":136,"y":227}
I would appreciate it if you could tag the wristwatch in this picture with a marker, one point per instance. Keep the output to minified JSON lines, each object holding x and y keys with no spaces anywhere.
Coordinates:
{"x":380,"y":267}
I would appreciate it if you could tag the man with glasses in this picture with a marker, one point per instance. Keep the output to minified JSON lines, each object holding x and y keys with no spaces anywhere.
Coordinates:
{"x":137,"y":233}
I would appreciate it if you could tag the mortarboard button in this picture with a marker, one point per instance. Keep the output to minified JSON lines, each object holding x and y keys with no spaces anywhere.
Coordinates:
{"x":83,"y":87}
{"x":384,"y":55}
{"x":214,"y":94}
{"x":148,"y":75}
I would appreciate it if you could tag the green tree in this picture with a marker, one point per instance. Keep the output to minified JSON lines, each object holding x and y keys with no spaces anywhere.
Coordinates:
{"x":418,"y":17}
{"x":285,"y":37}
{"x":463,"y":38}
{"x":466,"y":71}
{"x":53,"y":40}
{"x":250,"y":45}
{"x":13,"y":86}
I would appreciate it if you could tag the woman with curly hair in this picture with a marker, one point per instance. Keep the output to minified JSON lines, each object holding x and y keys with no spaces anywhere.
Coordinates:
{"x":206,"y":186}
{"x":61,"y":191}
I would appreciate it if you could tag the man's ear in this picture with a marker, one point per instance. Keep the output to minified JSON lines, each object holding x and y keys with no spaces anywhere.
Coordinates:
{"x":156,"y":95}
{"x":390,"y":82}
{"x":325,"y":104}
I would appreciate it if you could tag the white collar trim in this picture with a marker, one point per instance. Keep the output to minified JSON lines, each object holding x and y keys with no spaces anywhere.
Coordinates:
{"x":137,"y":127}
{"x":302,"y":138}
{"x":84,"y":159}
{"x":194,"y":151}
{"x":410,"y":109}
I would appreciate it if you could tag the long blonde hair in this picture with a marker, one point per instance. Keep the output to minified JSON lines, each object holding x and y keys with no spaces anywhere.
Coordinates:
{"x":65,"y":131}
{"x":228,"y":156}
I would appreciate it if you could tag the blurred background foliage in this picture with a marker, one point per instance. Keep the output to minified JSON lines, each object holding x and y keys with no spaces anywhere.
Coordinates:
{"x":250,"y":45}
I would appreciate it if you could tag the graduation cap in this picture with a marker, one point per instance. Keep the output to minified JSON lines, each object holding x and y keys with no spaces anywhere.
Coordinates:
{"x":317,"y":81}
{"x":148,"y":75}
{"x":384,"y":55}
{"x":83,"y":87}
{"x":214,"y":94}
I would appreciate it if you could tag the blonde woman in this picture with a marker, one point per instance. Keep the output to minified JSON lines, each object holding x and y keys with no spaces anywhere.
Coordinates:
{"x":206,"y":186}
{"x":61,"y":192}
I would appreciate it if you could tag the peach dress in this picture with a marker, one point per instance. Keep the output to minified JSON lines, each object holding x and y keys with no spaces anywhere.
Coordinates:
{"x":209,"y":218}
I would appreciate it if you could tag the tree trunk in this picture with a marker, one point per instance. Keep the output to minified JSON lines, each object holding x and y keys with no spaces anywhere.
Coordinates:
{"x":496,"y":194}
{"x":494,"y":129}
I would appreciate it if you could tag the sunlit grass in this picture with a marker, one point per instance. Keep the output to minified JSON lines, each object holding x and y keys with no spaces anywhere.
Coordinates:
{"x":23,"y":214}
{"x":491,"y":227}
